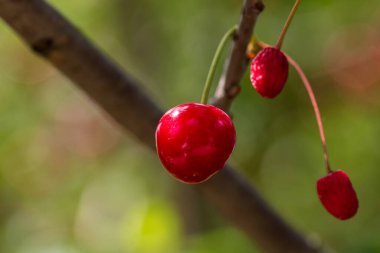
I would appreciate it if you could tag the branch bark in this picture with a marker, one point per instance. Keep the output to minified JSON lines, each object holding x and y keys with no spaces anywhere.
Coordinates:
{"x":51,"y":36}
{"x":236,"y":64}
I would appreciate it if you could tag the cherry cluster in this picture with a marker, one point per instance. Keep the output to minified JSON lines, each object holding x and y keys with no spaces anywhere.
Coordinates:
{"x":194,"y":140}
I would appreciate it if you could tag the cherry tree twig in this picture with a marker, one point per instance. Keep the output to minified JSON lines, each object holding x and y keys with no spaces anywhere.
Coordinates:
{"x":236,"y":64}
{"x":51,"y":36}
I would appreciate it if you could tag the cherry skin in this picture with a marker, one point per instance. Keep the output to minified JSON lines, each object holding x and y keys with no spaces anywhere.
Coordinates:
{"x":337,"y":195}
{"x":269,"y":72}
{"x":194,"y":141}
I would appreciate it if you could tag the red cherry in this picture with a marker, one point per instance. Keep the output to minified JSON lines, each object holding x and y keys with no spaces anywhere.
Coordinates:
{"x":194,"y":141}
{"x":337,"y":195}
{"x":269,"y":72}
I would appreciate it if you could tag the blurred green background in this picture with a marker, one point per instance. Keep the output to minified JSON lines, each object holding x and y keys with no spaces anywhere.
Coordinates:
{"x":71,"y":182}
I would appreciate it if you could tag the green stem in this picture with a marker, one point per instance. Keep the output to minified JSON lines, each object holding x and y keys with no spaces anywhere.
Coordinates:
{"x":214,"y":63}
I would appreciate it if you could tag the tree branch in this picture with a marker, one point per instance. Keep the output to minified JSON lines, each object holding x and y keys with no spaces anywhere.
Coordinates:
{"x":235,"y":66}
{"x":50,"y":35}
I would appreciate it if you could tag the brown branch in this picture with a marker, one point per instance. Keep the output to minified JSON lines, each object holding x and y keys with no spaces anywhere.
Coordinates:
{"x":53,"y":37}
{"x":236,"y":64}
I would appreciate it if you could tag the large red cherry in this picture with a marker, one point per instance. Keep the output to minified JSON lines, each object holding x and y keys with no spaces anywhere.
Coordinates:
{"x":269,"y":72}
{"x":337,"y":195}
{"x":194,"y":141}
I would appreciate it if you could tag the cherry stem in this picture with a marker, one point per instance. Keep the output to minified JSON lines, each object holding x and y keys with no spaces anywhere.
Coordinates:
{"x":309,"y":90}
{"x":214,"y":63}
{"x":287,"y":23}
{"x":316,"y":110}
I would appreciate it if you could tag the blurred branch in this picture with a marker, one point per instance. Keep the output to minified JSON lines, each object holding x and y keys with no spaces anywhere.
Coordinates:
{"x":50,"y":35}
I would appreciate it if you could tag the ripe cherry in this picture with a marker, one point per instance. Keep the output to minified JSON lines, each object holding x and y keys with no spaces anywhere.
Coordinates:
{"x":194,"y":141}
{"x":337,"y":195}
{"x":269,"y":72}
{"x":269,"y":69}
